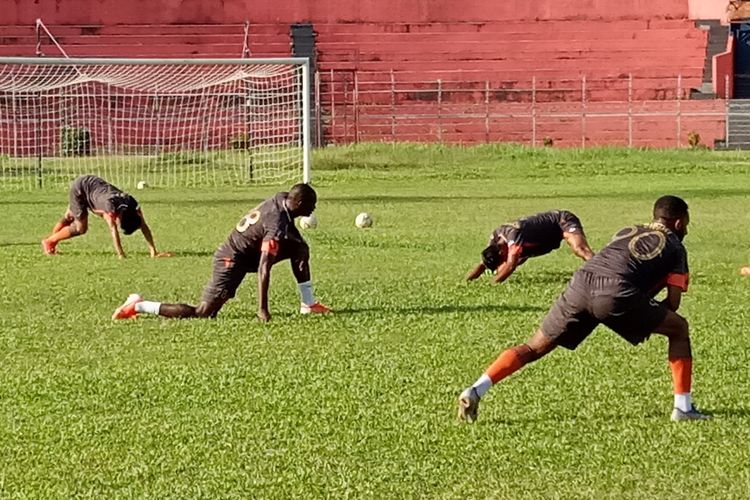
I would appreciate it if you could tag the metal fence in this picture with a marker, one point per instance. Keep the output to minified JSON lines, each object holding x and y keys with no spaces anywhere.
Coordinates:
{"x":625,"y":110}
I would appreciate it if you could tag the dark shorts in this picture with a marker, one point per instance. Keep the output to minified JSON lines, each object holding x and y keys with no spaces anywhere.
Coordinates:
{"x":229,"y":269}
{"x":78,"y":202}
{"x":590,"y":300}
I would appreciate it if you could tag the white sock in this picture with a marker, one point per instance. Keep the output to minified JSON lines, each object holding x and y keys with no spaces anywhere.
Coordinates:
{"x":306,"y":293}
{"x":482,"y":385}
{"x":683,"y":401}
{"x":147,"y":307}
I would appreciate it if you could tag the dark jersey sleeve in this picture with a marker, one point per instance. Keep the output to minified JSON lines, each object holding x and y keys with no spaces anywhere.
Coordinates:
{"x":679,"y":275}
{"x":275,"y":227}
{"x":570,"y":223}
{"x":511,"y":236}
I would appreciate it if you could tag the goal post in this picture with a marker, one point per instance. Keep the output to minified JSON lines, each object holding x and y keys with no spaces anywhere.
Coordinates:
{"x":168,"y":122}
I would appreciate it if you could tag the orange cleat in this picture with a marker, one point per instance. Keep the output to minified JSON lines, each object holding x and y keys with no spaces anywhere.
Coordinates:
{"x":127,"y":310}
{"x":49,"y":248}
{"x":316,"y":308}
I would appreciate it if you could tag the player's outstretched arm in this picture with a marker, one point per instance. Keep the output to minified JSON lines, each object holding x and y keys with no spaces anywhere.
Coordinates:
{"x":506,"y":268}
{"x":673,"y":298}
{"x":475,"y":272}
{"x":503,"y":272}
{"x":115,"y":234}
{"x":149,"y":237}
{"x":264,"y":280}
{"x":579,"y":245}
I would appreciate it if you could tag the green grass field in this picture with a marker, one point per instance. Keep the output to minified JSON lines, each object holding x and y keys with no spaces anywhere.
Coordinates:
{"x":362,"y":403}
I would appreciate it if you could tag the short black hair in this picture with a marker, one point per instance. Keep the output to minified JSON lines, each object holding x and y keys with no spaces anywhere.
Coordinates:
{"x":303,"y":191}
{"x":130,"y":220}
{"x":491,"y":257}
{"x":670,"y":207}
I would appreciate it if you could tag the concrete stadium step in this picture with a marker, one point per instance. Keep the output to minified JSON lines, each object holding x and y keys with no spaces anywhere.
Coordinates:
{"x":624,"y":58}
{"x":504,"y":26}
{"x":166,"y":51}
{"x":182,"y":39}
{"x":585,"y":66}
{"x":610,"y":35}
{"x":505,"y":49}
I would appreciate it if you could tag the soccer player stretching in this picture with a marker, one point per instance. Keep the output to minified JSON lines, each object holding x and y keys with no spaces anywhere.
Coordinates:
{"x":616,"y":288}
{"x":264,"y":236}
{"x":511,"y":244}
{"x":90,"y":192}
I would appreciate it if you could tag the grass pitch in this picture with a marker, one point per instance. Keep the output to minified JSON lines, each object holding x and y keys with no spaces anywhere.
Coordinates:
{"x":362,"y":403}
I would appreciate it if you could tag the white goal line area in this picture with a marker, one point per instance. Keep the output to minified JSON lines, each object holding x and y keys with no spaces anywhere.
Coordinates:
{"x":168,"y":122}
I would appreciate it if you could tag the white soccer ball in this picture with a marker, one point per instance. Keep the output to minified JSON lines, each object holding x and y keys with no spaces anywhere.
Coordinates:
{"x":309,"y":222}
{"x":141,"y":185}
{"x":363,"y":220}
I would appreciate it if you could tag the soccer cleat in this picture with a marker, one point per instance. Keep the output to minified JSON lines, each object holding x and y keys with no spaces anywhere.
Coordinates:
{"x":49,"y":248}
{"x":127,"y":309}
{"x":692,"y":414}
{"x":316,"y":308}
{"x":468,"y":405}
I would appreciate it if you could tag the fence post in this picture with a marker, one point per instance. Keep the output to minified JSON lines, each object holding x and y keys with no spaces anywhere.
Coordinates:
{"x":440,"y":110}
{"x":318,"y":132}
{"x":679,"y":111}
{"x":583,"y":111}
{"x":346,"y":110}
{"x":332,"y":127}
{"x":486,"y":111}
{"x":630,"y":110}
{"x":533,"y":111}
{"x":393,"y":107}
{"x":726,"y":111}
{"x":356,"y":107}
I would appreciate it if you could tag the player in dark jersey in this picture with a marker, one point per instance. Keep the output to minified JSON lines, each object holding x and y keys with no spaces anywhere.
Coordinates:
{"x":616,"y":288}
{"x":511,"y":244}
{"x":90,"y":192}
{"x":263,"y":237}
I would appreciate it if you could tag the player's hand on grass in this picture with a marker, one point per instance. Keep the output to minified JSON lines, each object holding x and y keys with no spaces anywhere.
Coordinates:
{"x":158,"y":255}
{"x":745,"y":271}
{"x":264,"y":315}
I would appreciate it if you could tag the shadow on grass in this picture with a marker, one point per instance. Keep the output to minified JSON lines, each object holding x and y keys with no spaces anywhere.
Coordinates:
{"x":442,"y":309}
{"x":572,"y":418}
{"x":20,"y":243}
{"x":727,"y":412}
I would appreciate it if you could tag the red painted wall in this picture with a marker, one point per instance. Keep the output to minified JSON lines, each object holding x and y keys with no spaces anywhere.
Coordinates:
{"x":270,"y":11}
{"x":723,"y":71}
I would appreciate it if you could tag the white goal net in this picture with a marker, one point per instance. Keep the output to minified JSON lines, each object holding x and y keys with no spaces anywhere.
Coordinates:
{"x":165,"y":122}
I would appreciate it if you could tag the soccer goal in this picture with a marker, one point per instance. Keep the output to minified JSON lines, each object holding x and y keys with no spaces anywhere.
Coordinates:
{"x":187,"y":122}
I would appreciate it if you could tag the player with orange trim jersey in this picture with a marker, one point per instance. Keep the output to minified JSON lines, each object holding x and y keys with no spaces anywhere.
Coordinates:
{"x":265,"y":236}
{"x":511,"y":244}
{"x":616,"y":288}
{"x":116,"y":207}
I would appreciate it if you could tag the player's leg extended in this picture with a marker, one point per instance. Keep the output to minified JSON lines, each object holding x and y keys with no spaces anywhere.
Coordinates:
{"x":135,"y":305}
{"x":66,"y":220}
{"x":203,"y":310}
{"x":510,"y":361}
{"x":225,"y":279}
{"x":301,"y":270}
{"x":67,"y":229}
{"x":675,"y":328}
